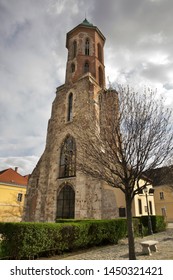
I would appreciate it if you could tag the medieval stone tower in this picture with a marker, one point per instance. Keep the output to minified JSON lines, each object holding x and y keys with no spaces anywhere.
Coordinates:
{"x":56,"y":188}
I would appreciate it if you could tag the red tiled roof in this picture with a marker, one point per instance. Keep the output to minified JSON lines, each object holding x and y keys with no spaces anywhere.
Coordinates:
{"x":11,"y":176}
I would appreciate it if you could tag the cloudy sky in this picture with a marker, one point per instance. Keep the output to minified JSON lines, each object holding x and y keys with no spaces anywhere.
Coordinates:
{"x":138,"y":51}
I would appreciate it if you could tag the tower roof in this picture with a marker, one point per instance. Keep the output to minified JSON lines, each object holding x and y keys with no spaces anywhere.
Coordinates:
{"x":86,"y":24}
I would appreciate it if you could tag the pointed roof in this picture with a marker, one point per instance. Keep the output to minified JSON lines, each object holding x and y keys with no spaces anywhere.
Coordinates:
{"x":12,"y":177}
{"x":86,"y":24}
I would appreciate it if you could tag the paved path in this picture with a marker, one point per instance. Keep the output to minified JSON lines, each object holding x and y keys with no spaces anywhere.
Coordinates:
{"x":120,"y":251}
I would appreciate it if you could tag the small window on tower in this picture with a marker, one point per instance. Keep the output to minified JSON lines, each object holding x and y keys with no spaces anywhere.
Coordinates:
{"x":86,"y":67}
{"x":73,"y":68}
{"x":74,"y":49}
{"x":87,"y":47}
{"x":70,"y":107}
{"x":99,"y":50}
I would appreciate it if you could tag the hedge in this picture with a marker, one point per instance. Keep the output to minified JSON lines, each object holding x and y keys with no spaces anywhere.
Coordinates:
{"x":158,"y":223}
{"x":30,"y":240}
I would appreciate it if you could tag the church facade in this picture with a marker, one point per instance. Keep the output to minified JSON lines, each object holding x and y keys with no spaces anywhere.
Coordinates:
{"x":56,"y":188}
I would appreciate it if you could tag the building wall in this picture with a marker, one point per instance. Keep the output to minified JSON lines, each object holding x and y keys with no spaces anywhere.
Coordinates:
{"x":11,"y":209}
{"x":163,"y":196}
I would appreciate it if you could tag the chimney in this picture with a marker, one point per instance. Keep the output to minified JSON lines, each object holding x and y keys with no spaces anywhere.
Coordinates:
{"x":16,"y":169}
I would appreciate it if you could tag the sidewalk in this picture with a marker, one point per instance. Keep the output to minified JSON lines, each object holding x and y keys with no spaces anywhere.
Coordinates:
{"x":120,"y":251}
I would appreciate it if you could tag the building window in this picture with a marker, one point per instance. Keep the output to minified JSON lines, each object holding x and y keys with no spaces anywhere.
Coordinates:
{"x":19,"y":197}
{"x":163,"y":210}
{"x":87,"y":47}
{"x":70,"y":107}
{"x":100,"y":76}
{"x":122,"y":212}
{"x":150,"y":208}
{"x":86,"y":67}
{"x":74,"y":49}
{"x":140,"y":206}
{"x":161,"y":195}
{"x":68,"y":158}
{"x":72,"y":67}
{"x":66,"y":203}
{"x":99,"y":51}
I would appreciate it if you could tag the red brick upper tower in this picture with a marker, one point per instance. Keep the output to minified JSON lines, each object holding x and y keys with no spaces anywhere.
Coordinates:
{"x":85,"y":53}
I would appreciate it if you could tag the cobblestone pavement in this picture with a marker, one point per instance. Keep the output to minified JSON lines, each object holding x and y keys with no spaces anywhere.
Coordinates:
{"x":120,"y":251}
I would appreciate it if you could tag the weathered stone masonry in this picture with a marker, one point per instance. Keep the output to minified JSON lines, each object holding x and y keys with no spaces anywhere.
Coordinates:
{"x":56,"y":189}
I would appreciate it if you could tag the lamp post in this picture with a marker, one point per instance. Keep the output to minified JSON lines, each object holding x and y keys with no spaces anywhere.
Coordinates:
{"x":150,"y":230}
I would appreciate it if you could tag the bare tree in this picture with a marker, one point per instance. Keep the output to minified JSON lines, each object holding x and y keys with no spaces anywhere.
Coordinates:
{"x":122,"y":135}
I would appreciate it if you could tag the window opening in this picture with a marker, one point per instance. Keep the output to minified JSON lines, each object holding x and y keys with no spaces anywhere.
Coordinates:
{"x":74,"y":49}
{"x":87,"y":47}
{"x":66,"y":203}
{"x":70,"y":107}
{"x":86,"y":67}
{"x":68,"y":158}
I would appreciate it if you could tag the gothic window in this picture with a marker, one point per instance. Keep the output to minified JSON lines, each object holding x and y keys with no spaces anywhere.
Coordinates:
{"x":68,"y":158}
{"x":70,"y":107}
{"x":66,"y":203}
{"x":72,"y":67}
{"x":99,"y":50}
{"x":74,"y":49}
{"x":100,"y":76}
{"x":86,"y":67}
{"x":87,"y":47}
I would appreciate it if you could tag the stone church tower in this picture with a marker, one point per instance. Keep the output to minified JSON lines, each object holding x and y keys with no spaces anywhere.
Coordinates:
{"x":56,"y":188}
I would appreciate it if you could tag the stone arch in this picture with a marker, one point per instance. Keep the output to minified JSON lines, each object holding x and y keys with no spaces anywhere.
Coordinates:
{"x":66,"y":202}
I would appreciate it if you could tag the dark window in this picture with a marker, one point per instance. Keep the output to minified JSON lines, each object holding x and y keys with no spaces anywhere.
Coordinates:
{"x":72,"y":67}
{"x":161,"y":195}
{"x":68,"y":158}
{"x":100,"y":77}
{"x":66,"y":203}
{"x":99,"y":50}
{"x":140,"y":206}
{"x":87,"y":47}
{"x":122,"y":212}
{"x":70,"y":107}
{"x":86,"y":67}
{"x":19,"y":197}
{"x":74,"y":49}
{"x":151,"y":208}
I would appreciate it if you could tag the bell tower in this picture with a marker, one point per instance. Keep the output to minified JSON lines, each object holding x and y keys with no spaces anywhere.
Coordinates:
{"x":85,"y":44}
{"x":56,"y":188}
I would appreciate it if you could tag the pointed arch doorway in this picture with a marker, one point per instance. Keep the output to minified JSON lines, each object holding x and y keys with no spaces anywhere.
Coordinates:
{"x":66,"y":203}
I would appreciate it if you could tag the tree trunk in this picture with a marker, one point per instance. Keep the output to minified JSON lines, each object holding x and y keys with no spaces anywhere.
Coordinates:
{"x":131,"y":243}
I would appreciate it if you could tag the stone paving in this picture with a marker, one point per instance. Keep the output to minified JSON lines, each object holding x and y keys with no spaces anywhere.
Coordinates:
{"x":120,"y":251}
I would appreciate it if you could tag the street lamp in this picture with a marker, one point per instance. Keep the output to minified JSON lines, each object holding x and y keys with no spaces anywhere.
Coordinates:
{"x":151,"y":191}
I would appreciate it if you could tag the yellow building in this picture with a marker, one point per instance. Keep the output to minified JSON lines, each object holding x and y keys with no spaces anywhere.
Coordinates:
{"x":12,"y":195}
{"x":163,"y":194}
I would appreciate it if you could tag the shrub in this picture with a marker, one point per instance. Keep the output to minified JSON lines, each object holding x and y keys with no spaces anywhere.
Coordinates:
{"x":158,"y":223}
{"x":28,"y":240}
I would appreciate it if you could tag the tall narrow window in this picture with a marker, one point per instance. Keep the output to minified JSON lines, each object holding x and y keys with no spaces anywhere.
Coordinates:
{"x":99,"y":51}
{"x":66,"y":203}
{"x":68,"y":158}
{"x":86,"y":67}
{"x":100,"y":76}
{"x":70,"y":107}
{"x":140,"y":206}
{"x":161,"y":195}
{"x":72,"y":67}
{"x":74,"y":49}
{"x":87,"y":47}
{"x":151,"y":208}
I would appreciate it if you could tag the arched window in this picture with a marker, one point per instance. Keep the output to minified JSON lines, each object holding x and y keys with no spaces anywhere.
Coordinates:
{"x":72,"y":67}
{"x":87,"y":47}
{"x":86,"y":67}
{"x":99,"y":51}
{"x":70,"y":107}
{"x":74,"y":49}
{"x":66,"y":203}
{"x":100,"y":76}
{"x":68,"y":158}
